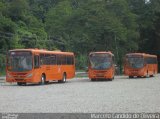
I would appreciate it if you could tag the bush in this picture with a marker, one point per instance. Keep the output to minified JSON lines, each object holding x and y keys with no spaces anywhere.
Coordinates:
{"x":81,"y":62}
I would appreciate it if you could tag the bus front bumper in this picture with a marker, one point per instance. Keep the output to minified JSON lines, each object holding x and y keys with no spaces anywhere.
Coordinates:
{"x":99,"y":75}
{"x":21,"y":79}
{"x":135,"y":72}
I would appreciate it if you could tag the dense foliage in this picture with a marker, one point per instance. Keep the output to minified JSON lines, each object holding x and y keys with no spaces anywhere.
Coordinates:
{"x":80,"y":26}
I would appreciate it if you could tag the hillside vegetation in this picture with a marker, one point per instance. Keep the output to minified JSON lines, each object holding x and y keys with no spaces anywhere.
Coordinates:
{"x":80,"y":26}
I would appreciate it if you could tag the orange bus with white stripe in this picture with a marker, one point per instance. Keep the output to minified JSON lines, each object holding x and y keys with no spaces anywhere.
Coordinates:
{"x":140,"y":65}
{"x":39,"y":66}
{"x":101,"y":66}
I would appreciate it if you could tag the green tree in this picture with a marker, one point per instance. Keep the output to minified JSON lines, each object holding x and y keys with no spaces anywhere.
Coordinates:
{"x":18,"y":9}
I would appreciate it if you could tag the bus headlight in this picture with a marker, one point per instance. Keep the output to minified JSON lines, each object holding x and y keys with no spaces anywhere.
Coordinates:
{"x":29,"y":75}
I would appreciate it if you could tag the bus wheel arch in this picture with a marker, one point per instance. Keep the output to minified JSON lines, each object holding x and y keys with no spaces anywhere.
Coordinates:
{"x":64,"y":77}
{"x":43,"y":79}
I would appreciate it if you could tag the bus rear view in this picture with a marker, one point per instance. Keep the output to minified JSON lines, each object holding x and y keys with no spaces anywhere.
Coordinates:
{"x":101,"y":66}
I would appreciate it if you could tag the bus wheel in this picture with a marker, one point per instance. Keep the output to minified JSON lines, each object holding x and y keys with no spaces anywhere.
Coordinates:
{"x":46,"y":82}
{"x":21,"y":83}
{"x":42,"y":79}
{"x":110,"y":79}
{"x":92,"y":79}
{"x":147,"y":76}
{"x":63,"y":79}
{"x":113,"y":78}
{"x":130,"y":76}
{"x":152,"y":75}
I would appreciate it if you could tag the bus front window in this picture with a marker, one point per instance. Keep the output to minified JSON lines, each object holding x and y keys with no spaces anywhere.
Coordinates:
{"x":136,"y":62}
{"x":100,"y":61}
{"x":20,"y":61}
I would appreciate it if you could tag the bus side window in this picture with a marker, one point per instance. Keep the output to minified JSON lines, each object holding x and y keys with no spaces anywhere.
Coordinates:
{"x":69,"y":60}
{"x":36,"y":61}
{"x":63,"y":59}
{"x":42,"y":59}
{"x":72,"y":60}
{"x":53,"y":59}
{"x":59,"y":59}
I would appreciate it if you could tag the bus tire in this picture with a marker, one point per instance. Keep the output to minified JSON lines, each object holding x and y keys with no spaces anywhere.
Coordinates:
{"x":147,"y":75}
{"x":113,"y":78}
{"x":92,"y":79}
{"x":63,"y":80}
{"x":154,"y":73}
{"x":21,"y":83}
{"x":130,"y":77}
{"x":110,"y":79}
{"x":46,"y":82}
{"x":43,"y":78}
{"x":151,"y":76}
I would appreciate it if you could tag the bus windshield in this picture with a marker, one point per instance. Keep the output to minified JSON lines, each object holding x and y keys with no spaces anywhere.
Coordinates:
{"x":20,"y":61}
{"x":135,"y":62}
{"x":100,"y":61}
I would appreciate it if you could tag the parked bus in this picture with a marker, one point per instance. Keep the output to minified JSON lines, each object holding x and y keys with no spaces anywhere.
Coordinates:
{"x":101,"y":66}
{"x":39,"y":66}
{"x":140,"y":65}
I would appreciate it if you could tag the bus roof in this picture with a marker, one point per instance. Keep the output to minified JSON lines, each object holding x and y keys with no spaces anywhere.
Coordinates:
{"x":44,"y":51}
{"x":102,"y":52}
{"x":141,"y":54}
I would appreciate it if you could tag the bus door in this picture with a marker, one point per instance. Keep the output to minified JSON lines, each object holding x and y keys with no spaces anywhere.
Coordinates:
{"x":53,"y":66}
{"x":45,"y":65}
{"x":36,"y":64}
{"x":48,"y":66}
{"x":58,"y":68}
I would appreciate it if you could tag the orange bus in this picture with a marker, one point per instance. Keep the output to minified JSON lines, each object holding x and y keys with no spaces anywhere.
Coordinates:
{"x":140,"y":65}
{"x":39,"y":66}
{"x":101,"y":66}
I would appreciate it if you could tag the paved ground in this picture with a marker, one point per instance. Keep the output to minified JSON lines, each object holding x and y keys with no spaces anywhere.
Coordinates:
{"x":82,"y":95}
